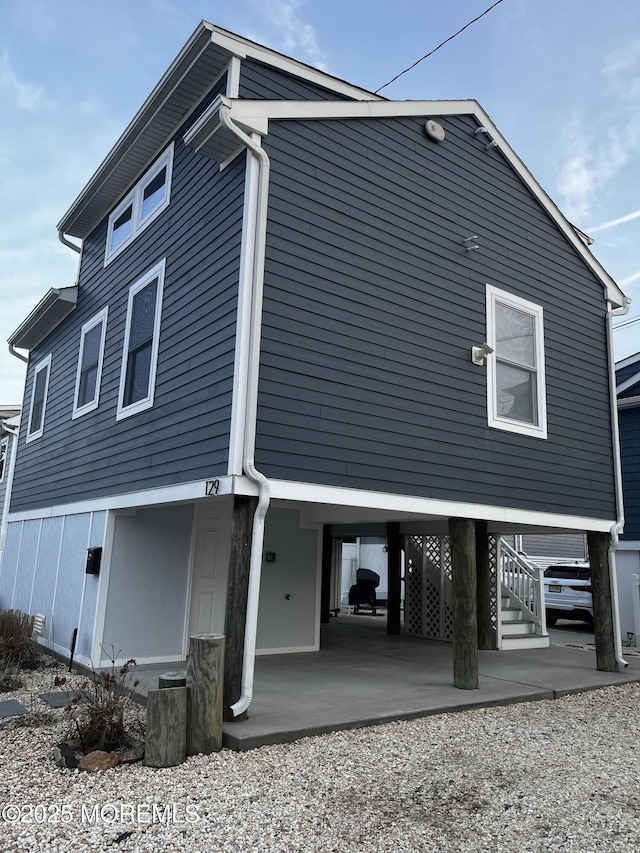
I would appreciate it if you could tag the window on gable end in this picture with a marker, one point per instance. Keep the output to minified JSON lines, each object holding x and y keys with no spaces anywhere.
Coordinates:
{"x":516,"y":395}
{"x":148,"y":198}
{"x":89,"y":370}
{"x":142,"y":336}
{"x":39,"y":398}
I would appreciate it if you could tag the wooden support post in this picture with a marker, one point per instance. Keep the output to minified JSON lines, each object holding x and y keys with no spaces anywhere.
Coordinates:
{"x":327,"y":562}
{"x":465,"y":615}
{"x":204,"y":687}
{"x":394,"y":578}
{"x":166,"y":735}
{"x":483,"y":586}
{"x":598,"y":544}
{"x":236,"y":603}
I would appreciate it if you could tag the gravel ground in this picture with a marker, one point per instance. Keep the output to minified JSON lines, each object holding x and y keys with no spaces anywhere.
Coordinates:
{"x":540,"y":776}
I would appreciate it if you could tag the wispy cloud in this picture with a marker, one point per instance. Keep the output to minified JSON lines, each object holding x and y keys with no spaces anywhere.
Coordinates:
{"x":613,"y":222}
{"x":293,"y":35}
{"x":23,"y":95}
{"x":597,"y":150}
{"x":630,"y":279}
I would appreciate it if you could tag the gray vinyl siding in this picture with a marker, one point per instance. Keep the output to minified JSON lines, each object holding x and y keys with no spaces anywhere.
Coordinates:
{"x":263,"y":81}
{"x":185,"y":435}
{"x":629,"y":421}
{"x":372,"y":305}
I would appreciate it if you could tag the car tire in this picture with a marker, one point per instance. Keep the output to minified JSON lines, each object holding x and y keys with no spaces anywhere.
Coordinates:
{"x":551,"y":621}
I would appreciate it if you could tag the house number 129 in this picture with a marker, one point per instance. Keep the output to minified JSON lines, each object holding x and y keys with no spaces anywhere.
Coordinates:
{"x":212,"y":487}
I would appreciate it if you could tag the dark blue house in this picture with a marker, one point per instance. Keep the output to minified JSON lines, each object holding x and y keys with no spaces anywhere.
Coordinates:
{"x":365,"y":313}
{"x":628,"y":556}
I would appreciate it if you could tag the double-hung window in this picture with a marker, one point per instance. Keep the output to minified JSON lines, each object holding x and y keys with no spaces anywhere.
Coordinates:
{"x":141,"y":340}
{"x":516,"y":397}
{"x":90,"y":364}
{"x":141,"y":206}
{"x":39,"y":398}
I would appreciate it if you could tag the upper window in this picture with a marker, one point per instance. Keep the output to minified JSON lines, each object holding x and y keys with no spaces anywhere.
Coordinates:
{"x":146,"y":200}
{"x":4,"y":449}
{"x":141,"y":339}
{"x":90,"y":364}
{"x":39,"y":398}
{"x":516,"y":396}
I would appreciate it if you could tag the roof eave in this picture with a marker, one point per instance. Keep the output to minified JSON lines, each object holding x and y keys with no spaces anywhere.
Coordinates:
{"x":48,"y":313}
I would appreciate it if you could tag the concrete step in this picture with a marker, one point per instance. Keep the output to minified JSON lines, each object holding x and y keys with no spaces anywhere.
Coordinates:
{"x":524,"y":641}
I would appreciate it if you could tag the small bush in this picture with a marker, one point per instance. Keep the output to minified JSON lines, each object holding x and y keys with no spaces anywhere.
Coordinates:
{"x":18,"y":648}
{"x":99,"y":713}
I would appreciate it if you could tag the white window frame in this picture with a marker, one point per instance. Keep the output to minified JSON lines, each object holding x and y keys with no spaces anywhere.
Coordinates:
{"x":495,"y":420}
{"x":45,"y":364}
{"x":134,"y":198}
{"x":124,"y":411}
{"x":101,"y":317}
{"x":4,"y":459}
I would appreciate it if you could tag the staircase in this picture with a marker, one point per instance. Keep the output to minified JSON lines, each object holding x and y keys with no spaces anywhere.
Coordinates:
{"x":521,"y":622}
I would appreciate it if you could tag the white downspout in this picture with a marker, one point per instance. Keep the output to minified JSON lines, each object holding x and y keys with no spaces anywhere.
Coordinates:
{"x":257,"y":538}
{"x":617,"y":528}
{"x":9,"y":475}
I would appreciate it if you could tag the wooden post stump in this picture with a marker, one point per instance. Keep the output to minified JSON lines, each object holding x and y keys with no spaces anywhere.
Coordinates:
{"x":166,"y":736}
{"x":465,"y":613}
{"x":205,"y":681}
{"x":483,"y":586}
{"x":598,"y":544}
{"x":394,"y":578}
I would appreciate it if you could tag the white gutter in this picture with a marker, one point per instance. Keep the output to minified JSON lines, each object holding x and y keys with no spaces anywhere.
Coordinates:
{"x":257,"y":538}
{"x":9,"y":475}
{"x":618,"y":527}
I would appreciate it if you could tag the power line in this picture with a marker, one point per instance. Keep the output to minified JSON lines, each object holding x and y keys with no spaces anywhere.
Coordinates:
{"x":431,"y":52}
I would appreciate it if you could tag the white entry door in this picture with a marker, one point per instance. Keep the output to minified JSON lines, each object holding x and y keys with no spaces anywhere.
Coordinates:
{"x":209,"y":571}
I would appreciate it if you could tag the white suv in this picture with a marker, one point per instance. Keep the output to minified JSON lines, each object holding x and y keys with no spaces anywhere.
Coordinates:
{"x":567,"y":592}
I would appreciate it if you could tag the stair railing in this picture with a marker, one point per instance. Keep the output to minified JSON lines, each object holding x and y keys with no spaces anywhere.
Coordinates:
{"x":523,"y":583}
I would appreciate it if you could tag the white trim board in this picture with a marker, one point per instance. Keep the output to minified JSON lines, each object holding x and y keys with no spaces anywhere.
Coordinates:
{"x":628,"y":383}
{"x":150,"y":497}
{"x":314,"y":493}
{"x":630,"y":359}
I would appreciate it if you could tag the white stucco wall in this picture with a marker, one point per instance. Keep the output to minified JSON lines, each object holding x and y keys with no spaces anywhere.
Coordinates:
{"x":289,"y":623}
{"x":147,"y":584}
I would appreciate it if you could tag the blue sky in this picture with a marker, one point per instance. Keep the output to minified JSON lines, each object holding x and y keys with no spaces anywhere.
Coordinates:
{"x":560,"y":79}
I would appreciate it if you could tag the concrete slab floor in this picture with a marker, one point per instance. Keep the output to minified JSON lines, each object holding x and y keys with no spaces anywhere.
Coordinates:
{"x":361,"y":676}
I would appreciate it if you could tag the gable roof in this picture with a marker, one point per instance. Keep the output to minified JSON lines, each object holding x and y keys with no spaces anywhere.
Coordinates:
{"x":210,"y":137}
{"x":190,"y":76}
{"x":186,"y":81}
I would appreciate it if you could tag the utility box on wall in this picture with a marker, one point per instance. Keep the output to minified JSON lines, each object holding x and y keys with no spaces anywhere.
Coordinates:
{"x":94,"y":556}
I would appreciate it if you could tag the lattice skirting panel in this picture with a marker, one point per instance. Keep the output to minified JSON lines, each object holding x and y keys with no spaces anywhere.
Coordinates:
{"x":428,"y":602}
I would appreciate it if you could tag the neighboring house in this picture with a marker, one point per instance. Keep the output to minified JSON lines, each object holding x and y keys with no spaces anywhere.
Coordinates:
{"x":281,"y":280}
{"x":628,"y":552}
{"x":9,"y":424}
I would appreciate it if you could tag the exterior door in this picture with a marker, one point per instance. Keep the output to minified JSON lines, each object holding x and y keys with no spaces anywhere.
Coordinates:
{"x":209,"y":571}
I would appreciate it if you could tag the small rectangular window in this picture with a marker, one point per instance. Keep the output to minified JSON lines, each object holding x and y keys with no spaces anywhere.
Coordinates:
{"x":89,"y":371}
{"x":141,"y":341}
{"x":148,"y":198}
{"x":39,"y":399}
{"x":516,"y":396}
{"x":4,"y":449}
